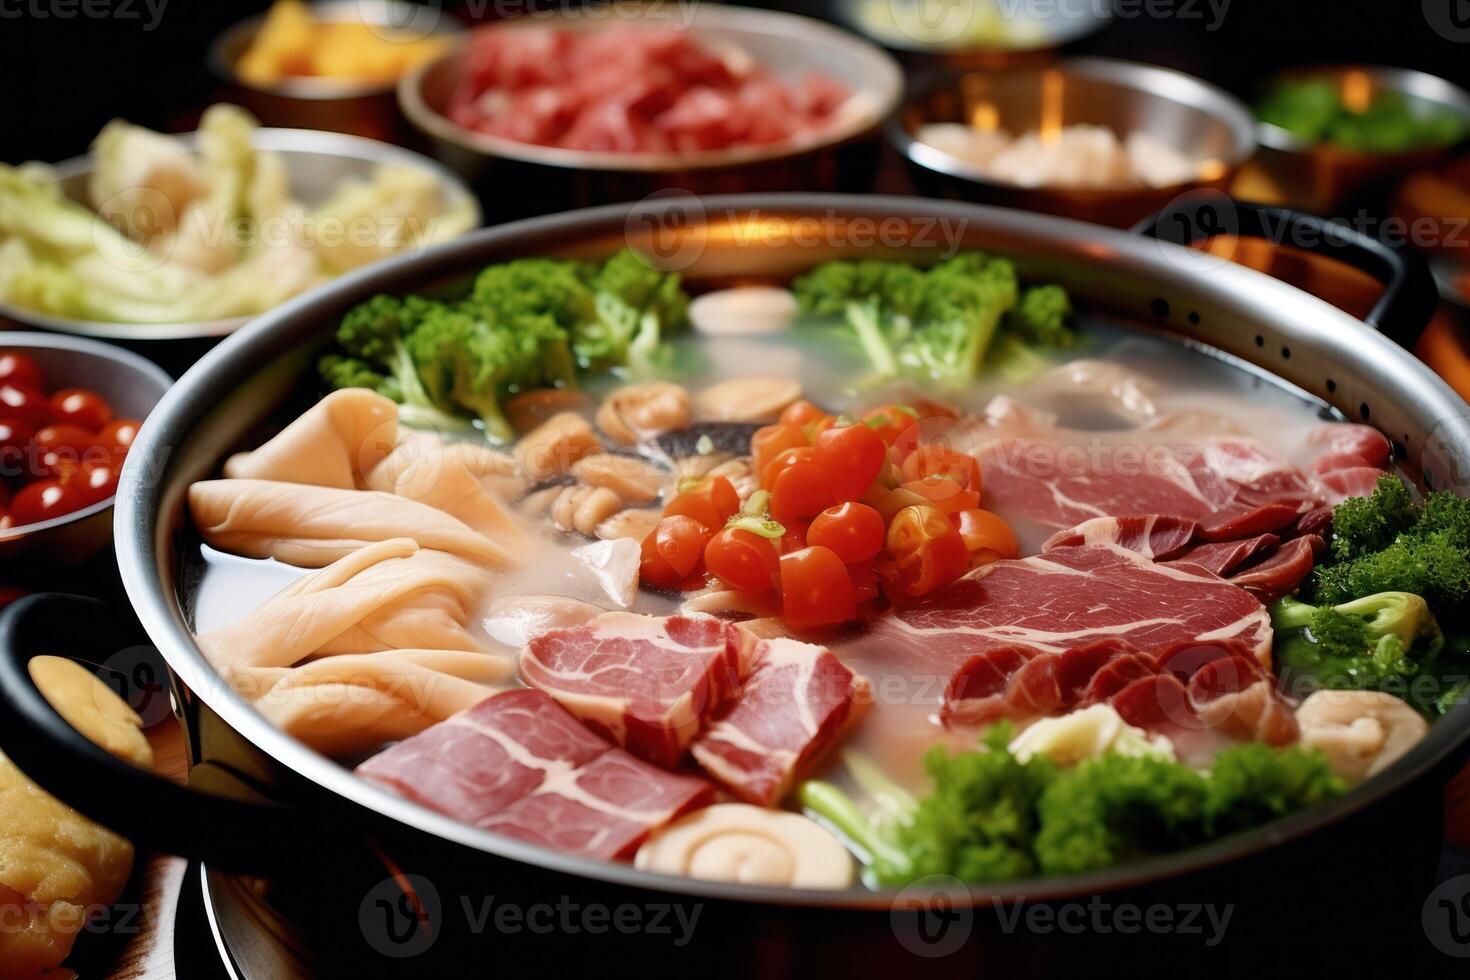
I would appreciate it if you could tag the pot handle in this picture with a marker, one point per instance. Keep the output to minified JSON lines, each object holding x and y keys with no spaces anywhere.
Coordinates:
{"x":154,"y":813}
{"x":1409,"y":298}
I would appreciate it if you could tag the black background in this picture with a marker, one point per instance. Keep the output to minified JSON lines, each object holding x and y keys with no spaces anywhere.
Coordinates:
{"x":61,"y":78}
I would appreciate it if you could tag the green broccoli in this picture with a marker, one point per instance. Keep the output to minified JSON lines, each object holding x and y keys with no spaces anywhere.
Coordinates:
{"x":1361,"y":525}
{"x":878,"y":301}
{"x":1042,"y":317}
{"x":545,"y":286}
{"x":1372,"y":643}
{"x":961,"y":307}
{"x":353,"y":372}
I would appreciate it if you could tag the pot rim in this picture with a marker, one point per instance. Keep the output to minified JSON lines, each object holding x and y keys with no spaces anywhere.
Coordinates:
{"x":140,"y":539}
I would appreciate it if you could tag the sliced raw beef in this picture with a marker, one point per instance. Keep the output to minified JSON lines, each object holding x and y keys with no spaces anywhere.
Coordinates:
{"x":1071,"y":596}
{"x":647,"y":683}
{"x":1262,"y":564}
{"x":794,"y":704}
{"x":1179,"y":688}
{"x":519,"y":764}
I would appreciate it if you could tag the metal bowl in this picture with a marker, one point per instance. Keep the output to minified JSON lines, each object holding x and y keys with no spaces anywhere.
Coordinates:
{"x":1320,"y":177}
{"x":358,"y":107}
{"x":131,"y":384}
{"x":1184,"y":112}
{"x":316,"y":163}
{"x":547,"y":178}
{"x":939,"y":31}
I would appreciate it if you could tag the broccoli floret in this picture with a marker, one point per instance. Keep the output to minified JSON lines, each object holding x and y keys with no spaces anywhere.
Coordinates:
{"x":1365,"y":644}
{"x":636,"y":305}
{"x":541,"y":286}
{"x":1435,"y":566}
{"x":878,"y":301}
{"x":353,"y":372}
{"x":1042,"y":317}
{"x":1361,"y":525}
{"x":375,"y":332}
{"x":1444,"y":512}
{"x":961,"y":307}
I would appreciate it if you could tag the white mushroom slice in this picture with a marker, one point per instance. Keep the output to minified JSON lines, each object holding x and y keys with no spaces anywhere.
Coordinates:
{"x":1360,"y":732}
{"x":516,"y":620}
{"x":635,"y":524}
{"x":635,"y":412}
{"x":615,"y":566}
{"x":634,"y":480}
{"x":555,"y":445}
{"x":746,"y":399}
{"x":750,"y":845}
{"x":1087,"y":734}
{"x":744,"y":310}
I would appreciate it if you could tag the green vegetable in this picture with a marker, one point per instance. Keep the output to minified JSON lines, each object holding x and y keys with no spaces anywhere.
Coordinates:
{"x":991,"y":817}
{"x":940,"y":323}
{"x":1313,"y":109}
{"x":375,"y":336}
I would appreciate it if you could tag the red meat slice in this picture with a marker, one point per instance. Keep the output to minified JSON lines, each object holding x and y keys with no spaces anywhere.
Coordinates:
{"x":648,"y":684}
{"x":796,"y":702}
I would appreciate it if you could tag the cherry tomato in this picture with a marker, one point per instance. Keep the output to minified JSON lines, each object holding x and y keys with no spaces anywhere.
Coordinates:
{"x":15,"y":441}
{"x":81,"y":407}
{"x":63,"y":447}
{"x":680,"y":541}
{"x":19,"y":369}
{"x":94,"y":482}
{"x":117,"y":437}
{"x":781,"y":461}
{"x":795,"y":537}
{"x":800,"y":491}
{"x":816,"y":589}
{"x":817,"y":426}
{"x":890,"y":421}
{"x":851,"y":456}
{"x":928,"y":461}
{"x":890,"y":503}
{"x":719,"y":491}
{"x":853,"y":530}
{"x":982,"y":530}
{"x":26,"y":404}
{"x":43,"y":500}
{"x":943,"y":493}
{"x":864,"y":581}
{"x":698,"y":508}
{"x":927,"y":551}
{"x":653,"y":569}
{"x":800,"y":413}
{"x":743,"y":559}
{"x":771,"y":441}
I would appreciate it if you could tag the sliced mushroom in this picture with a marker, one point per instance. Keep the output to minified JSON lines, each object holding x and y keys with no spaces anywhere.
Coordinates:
{"x":744,"y":310}
{"x":1360,"y":732}
{"x":635,"y":412}
{"x":635,"y":524}
{"x":746,"y":399}
{"x":634,"y":480}
{"x":751,"y":845}
{"x":556,"y":445}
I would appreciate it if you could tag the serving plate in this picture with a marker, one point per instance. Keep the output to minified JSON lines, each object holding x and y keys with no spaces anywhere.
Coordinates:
{"x":272,"y":804}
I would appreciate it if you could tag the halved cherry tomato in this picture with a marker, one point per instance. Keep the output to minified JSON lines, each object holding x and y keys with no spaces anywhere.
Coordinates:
{"x":26,"y":404}
{"x":800,"y":413}
{"x":769,"y":442}
{"x":795,"y":537}
{"x":43,"y":500}
{"x":781,"y":461}
{"x":943,"y":493}
{"x":889,"y":503}
{"x":864,"y":581}
{"x":890,"y":421}
{"x":927,"y":551}
{"x":983,"y":530}
{"x":721,"y":493}
{"x":15,"y":441}
{"x":680,"y":541}
{"x":816,"y":589}
{"x":20,"y":369}
{"x":799,"y":491}
{"x":743,"y":559}
{"x":81,"y":407}
{"x":929,"y":460}
{"x":851,"y":456}
{"x":698,"y":507}
{"x":853,"y":530}
{"x":117,"y":437}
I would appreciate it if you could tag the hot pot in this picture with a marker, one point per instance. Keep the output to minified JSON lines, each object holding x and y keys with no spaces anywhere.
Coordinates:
{"x":401,"y":889}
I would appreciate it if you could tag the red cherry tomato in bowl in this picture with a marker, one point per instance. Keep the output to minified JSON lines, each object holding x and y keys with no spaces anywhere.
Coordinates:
{"x":926,"y":549}
{"x":81,"y":407}
{"x":799,"y":492}
{"x":42,"y":500}
{"x":117,"y":437}
{"x":94,"y":482}
{"x":853,"y":530}
{"x":26,"y":404}
{"x":20,"y":369}
{"x":816,"y":589}
{"x":15,"y":443}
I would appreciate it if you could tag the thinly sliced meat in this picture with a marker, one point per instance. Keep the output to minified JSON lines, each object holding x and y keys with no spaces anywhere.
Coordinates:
{"x":1054,"y":682}
{"x":1121,"y":671}
{"x":1068,"y":597}
{"x":1356,"y":481}
{"x":976,"y":692}
{"x":519,"y":764}
{"x":1223,"y":558}
{"x":1283,"y":571}
{"x":648,"y":684}
{"x":1151,"y":535}
{"x":604,"y":809}
{"x":1363,"y":441}
{"x":795,"y":703}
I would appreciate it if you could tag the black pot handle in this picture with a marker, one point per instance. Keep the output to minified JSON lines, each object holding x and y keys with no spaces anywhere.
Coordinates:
{"x":1409,"y":294}
{"x":154,"y":813}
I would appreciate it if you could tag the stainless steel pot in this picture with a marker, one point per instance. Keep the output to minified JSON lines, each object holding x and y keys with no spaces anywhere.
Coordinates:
{"x":281,"y":807}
